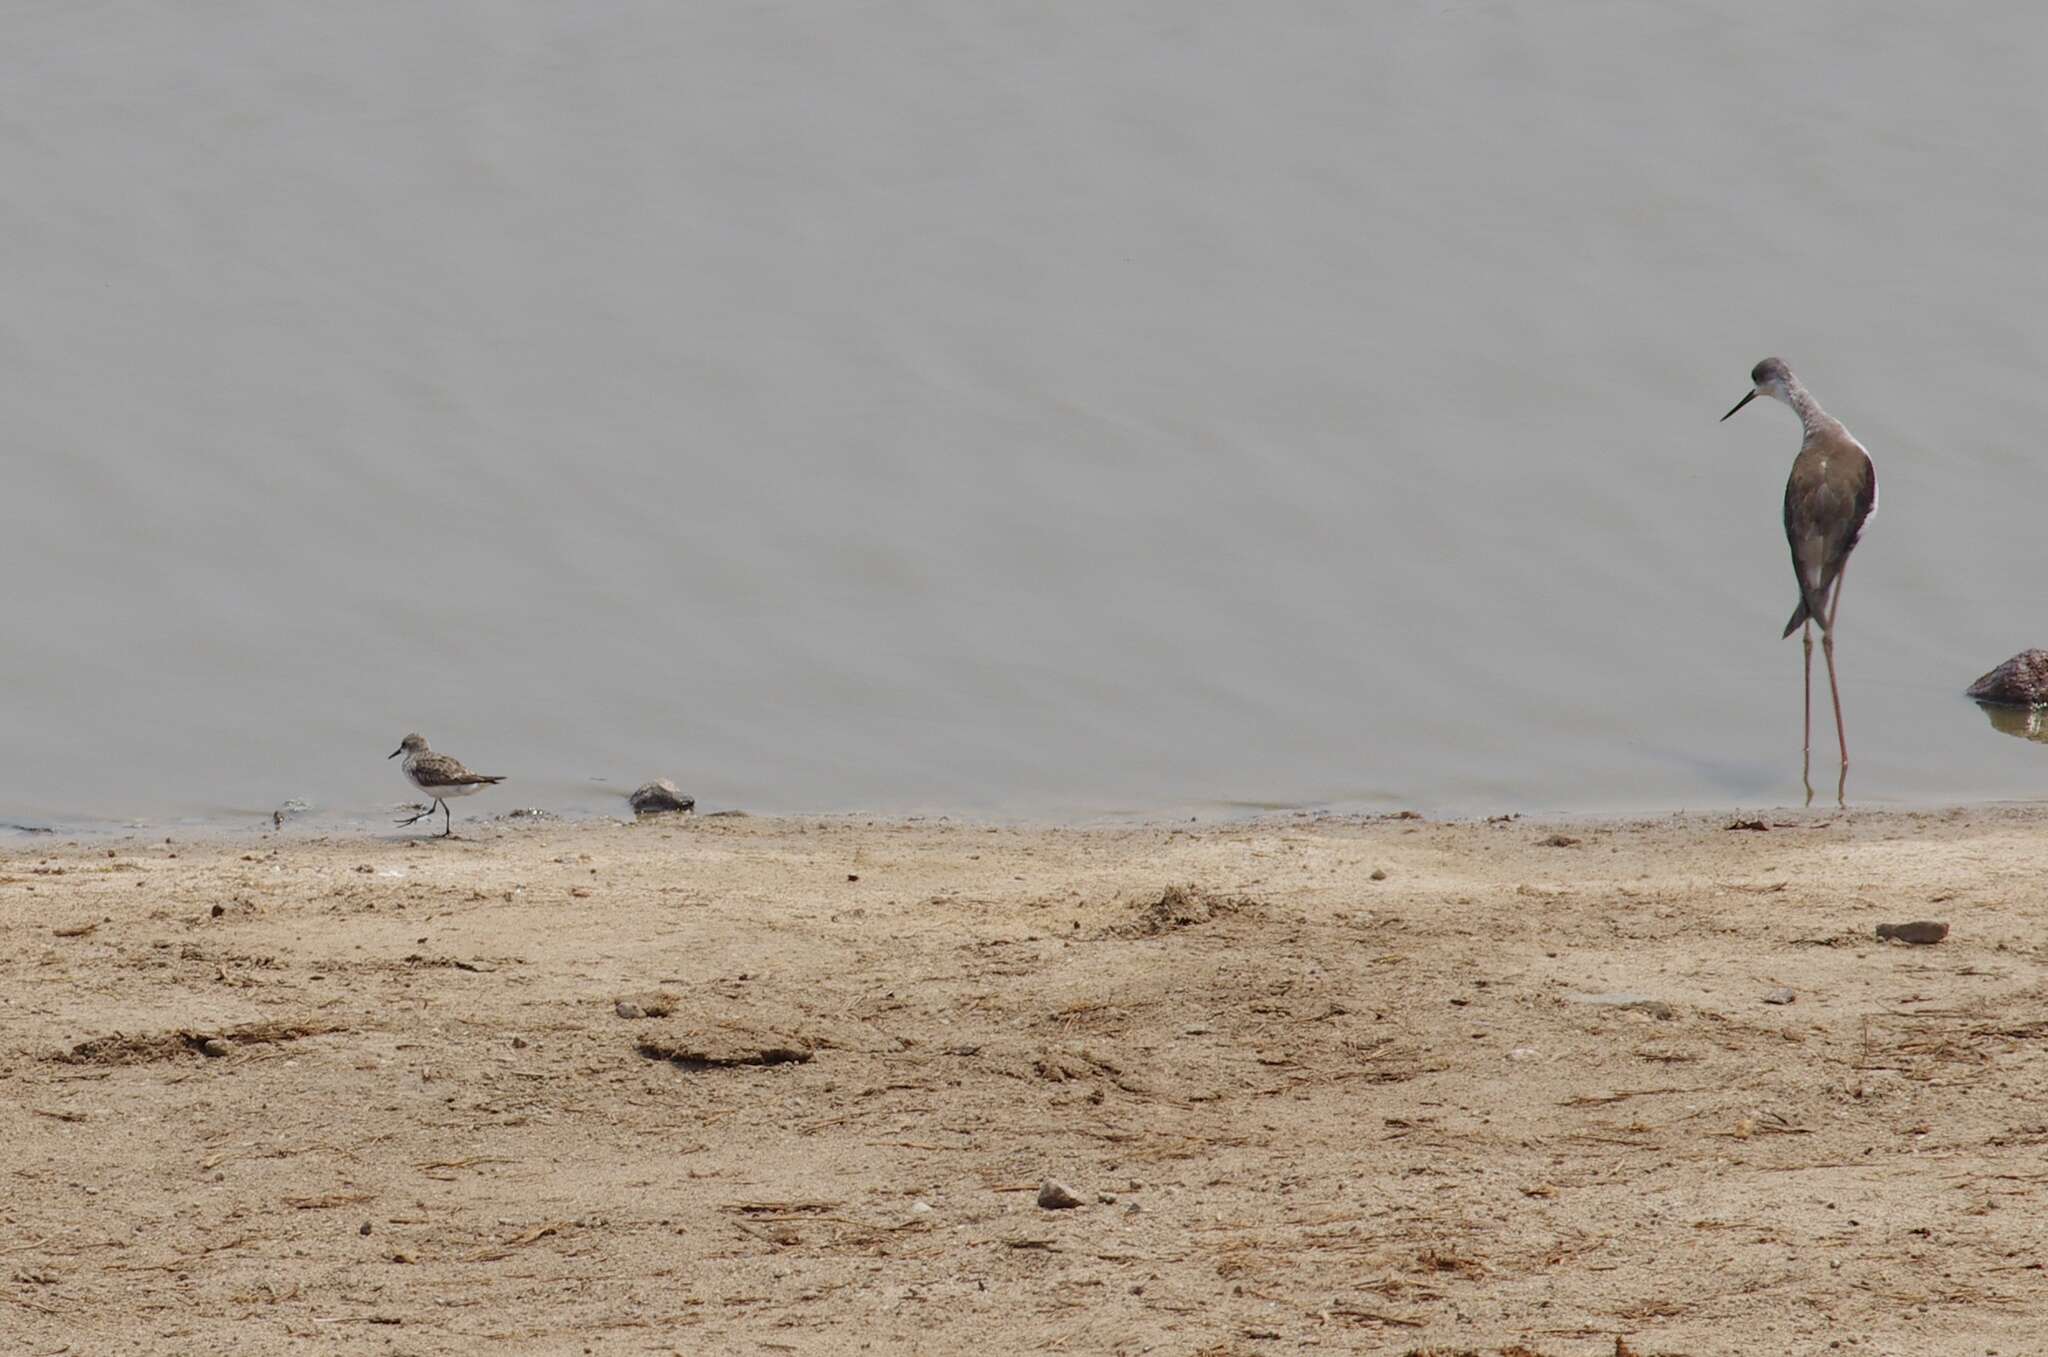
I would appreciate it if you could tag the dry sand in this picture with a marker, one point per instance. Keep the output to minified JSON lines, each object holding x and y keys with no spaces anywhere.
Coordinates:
{"x":1304,"y":1105}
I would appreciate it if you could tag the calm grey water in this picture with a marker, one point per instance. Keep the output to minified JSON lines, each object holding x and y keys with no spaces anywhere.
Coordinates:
{"x":1007,"y":409}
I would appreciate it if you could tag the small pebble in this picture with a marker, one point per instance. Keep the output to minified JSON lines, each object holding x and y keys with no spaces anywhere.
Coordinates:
{"x":1781,"y":995}
{"x":1379,"y":874}
{"x":214,"y":1046}
{"x":626,"y":1009}
{"x":1641,"y":1003}
{"x":1057,"y":1196}
{"x":1921,"y":931}
{"x":365,"y":1230}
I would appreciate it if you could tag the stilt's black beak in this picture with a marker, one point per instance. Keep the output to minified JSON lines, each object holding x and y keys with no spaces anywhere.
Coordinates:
{"x":401,"y":749}
{"x":1738,"y":405}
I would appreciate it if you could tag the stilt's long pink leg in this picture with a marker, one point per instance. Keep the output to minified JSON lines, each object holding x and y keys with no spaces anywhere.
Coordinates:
{"x":1827,"y":645}
{"x":1806,"y":733}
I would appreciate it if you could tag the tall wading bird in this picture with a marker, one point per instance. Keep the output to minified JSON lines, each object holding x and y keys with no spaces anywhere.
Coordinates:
{"x":1830,"y":495}
{"x":439,"y":776}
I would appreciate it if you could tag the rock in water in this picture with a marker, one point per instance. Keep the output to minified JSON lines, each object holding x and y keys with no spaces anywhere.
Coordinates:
{"x":2021,"y":681}
{"x":658,"y":796}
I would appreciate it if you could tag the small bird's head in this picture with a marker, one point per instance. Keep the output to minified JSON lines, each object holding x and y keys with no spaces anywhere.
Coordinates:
{"x":1768,"y":378}
{"x":411,"y":744}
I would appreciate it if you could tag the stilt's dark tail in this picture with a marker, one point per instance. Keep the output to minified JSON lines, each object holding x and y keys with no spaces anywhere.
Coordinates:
{"x":1799,"y":617}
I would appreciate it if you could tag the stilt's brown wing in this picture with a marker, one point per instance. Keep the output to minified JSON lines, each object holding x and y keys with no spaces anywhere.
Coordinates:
{"x":1829,"y":495}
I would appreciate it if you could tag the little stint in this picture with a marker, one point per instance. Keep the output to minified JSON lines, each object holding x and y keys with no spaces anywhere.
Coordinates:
{"x":439,"y":776}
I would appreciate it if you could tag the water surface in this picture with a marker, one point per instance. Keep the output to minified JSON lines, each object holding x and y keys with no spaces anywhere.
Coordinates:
{"x":1069,"y":411}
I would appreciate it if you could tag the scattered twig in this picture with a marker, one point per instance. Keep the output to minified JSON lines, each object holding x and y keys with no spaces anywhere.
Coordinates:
{"x":1601,"y":1099}
{"x":1378,"y":1317}
{"x":443,"y":1164}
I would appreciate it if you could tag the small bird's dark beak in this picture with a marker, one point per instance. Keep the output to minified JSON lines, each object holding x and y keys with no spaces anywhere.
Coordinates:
{"x":401,"y":749}
{"x":1739,"y":404}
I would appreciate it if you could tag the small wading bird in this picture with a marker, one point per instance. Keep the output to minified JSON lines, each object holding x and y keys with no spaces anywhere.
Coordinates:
{"x":1830,"y":495}
{"x":439,"y":776}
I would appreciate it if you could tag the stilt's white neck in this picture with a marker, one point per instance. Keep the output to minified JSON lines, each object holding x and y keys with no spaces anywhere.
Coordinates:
{"x":1812,"y":418}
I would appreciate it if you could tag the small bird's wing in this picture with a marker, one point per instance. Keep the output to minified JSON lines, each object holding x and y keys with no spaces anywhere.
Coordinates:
{"x":439,"y":770}
{"x":1828,"y":498}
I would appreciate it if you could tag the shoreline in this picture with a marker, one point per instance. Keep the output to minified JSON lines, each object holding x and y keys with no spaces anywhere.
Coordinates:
{"x":1348,"y":1083}
{"x":21,"y":833}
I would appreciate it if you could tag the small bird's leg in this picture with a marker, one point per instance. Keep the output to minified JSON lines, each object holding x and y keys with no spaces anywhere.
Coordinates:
{"x":417,"y":818}
{"x":447,"y":818}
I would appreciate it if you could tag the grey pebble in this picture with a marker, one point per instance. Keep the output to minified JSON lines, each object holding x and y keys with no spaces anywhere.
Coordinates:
{"x":1641,"y":1003}
{"x":1781,"y":995}
{"x":1057,"y":1196}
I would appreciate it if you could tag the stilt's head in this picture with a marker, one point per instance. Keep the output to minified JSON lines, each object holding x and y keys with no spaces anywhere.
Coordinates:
{"x":1768,"y":378}
{"x":411,"y":744}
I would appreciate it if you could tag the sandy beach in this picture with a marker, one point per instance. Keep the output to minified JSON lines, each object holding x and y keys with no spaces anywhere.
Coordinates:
{"x":737,"y":1085}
